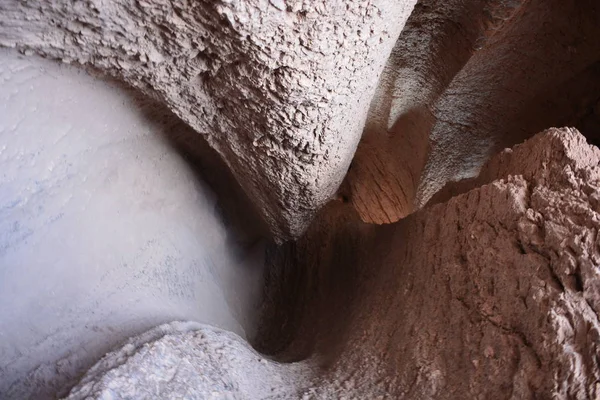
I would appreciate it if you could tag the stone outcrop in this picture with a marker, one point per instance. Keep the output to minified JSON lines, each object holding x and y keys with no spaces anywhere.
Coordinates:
{"x":105,"y":229}
{"x":280,"y":89}
{"x":490,"y":294}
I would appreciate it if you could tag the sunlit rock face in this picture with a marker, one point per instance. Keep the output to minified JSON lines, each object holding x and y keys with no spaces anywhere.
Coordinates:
{"x":105,"y":230}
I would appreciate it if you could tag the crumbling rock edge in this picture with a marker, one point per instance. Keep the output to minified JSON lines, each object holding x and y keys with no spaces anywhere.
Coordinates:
{"x":492,"y":293}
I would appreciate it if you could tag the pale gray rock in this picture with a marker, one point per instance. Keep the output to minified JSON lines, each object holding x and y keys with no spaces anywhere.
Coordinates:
{"x":105,"y":230}
{"x":190,"y":361}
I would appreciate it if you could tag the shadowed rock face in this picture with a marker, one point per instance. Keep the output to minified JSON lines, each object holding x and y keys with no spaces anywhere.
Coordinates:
{"x":484,"y":287}
{"x":491,"y":294}
{"x":465,"y":80}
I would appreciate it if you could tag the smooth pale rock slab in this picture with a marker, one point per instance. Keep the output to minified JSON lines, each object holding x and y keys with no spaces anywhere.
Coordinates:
{"x":105,"y":231}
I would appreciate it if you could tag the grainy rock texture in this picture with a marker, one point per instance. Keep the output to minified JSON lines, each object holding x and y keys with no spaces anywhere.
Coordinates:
{"x":193,"y":361}
{"x":496,"y":101}
{"x":280,"y":89}
{"x":466,"y":79}
{"x":437,"y":41}
{"x":481,"y":288}
{"x":491,"y":294}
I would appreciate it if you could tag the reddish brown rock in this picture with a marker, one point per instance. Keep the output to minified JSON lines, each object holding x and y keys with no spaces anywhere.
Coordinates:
{"x":491,"y":294}
{"x":465,"y":81}
{"x":280,"y":89}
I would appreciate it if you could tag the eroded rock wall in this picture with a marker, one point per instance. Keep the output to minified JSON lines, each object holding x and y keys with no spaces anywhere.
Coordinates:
{"x":466,"y":79}
{"x":490,"y":291}
{"x":490,"y":294}
{"x":280,"y":89}
{"x":106,"y":230}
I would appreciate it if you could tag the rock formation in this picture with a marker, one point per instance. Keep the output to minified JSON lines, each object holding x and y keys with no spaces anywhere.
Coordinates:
{"x":280,"y":89}
{"x":465,"y":80}
{"x":105,"y":230}
{"x":491,"y":294}
{"x":410,"y":254}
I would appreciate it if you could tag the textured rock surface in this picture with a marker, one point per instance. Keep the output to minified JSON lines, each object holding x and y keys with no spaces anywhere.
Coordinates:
{"x":188,"y":360}
{"x":437,"y":41}
{"x":491,"y":294}
{"x":280,"y":89}
{"x":490,"y":291}
{"x":516,"y":104}
{"x":466,"y":79}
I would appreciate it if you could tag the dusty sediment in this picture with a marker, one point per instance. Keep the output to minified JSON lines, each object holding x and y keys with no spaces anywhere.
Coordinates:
{"x":492,"y":293}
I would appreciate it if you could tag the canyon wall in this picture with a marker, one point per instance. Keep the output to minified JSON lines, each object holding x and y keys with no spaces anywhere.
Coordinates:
{"x":490,"y":294}
{"x":466,"y":79}
{"x":348,"y":144}
{"x":106,"y":229}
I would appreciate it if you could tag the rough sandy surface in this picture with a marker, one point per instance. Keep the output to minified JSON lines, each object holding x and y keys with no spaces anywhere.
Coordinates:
{"x":491,"y":294}
{"x":192,"y":361}
{"x":516,"y":104}
{"x":490,"y":291}
{"x":466,"y":79}
{"x":280,"y":89}
{"x":105,"y":230}
{"x":438,"y":40}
